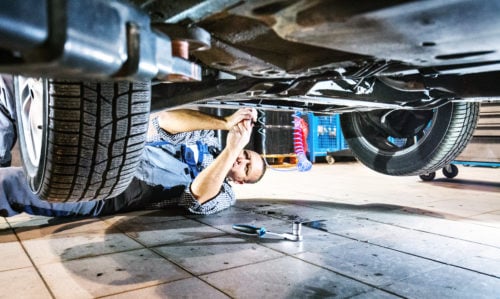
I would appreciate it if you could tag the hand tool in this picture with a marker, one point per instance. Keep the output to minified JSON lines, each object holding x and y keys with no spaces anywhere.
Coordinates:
{"x":296,"y":234}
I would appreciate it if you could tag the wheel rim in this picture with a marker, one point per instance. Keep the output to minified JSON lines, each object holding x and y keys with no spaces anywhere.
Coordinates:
{"x":387,"y":142}
{"x":31,"y":93}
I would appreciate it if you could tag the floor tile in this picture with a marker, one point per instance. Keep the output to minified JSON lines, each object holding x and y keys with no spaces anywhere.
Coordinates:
{"x":448,"y":282}
{"x":186,"y":288}
{"x":22,"y":283}
{"x":368,"y":263}
{"x":27,"y":218}
{"x":375,"y":294}
{"x":109,"y":274}
{"x":67,"y":247}
{"x":7,"y":234}
{"x":356,"y":228}
{"x":61,"y":226}
{"x":443,"y":249}
{"x":175,"y":231}
{"x":284,"y":278}
{"x":216,"y":254}
{"x":144,"y":217}
{"x":485,"y":261}
{"x":13,"y":256}
{"x":301,"y":211}
{"x":32,"y":222}
{"x":460,"y":228}
{"x":261,"y":206}
{"x":469,"y":207}
{"x":488,"y":219}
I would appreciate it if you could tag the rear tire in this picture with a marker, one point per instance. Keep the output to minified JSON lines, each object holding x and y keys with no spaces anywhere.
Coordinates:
{"x":87,"y":141}
{"x":428,"y":141}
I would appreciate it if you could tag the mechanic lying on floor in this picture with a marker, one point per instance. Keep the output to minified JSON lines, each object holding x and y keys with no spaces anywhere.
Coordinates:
{"x":202,"y":190}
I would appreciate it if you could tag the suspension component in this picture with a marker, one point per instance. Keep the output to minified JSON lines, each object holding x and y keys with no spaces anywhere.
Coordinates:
{"x":184,"y":40}
{"x":97,"y":39}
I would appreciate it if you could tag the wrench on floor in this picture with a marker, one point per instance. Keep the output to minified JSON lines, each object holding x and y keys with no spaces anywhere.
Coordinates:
{"x":296,"y":234}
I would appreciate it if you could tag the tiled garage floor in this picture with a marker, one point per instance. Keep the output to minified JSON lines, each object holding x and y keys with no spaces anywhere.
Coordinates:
{"x":383,"y":237}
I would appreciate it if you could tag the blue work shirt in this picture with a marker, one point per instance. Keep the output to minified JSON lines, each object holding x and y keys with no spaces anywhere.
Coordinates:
{"x":162,"y":166}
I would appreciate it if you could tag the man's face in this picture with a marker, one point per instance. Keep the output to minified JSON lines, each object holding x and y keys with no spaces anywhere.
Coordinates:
{"x":247,"y":168}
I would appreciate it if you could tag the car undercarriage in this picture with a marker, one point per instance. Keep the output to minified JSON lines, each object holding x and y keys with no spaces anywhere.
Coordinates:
{"x":415,"y":71}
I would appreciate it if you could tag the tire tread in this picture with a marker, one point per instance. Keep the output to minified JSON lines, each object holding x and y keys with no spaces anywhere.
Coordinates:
{"x":96,"y":134}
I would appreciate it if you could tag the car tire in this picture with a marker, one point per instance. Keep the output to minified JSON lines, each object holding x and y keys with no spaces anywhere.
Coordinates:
{"x":80,"y":141}
{"x":434,"y":144}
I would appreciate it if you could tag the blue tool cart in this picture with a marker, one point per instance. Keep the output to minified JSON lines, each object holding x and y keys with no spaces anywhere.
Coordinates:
{"x":325,"y":137}
{"x":450,"y":171}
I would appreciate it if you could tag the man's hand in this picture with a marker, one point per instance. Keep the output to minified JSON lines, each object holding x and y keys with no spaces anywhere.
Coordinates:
{"x":240,"y":115}
{"x":239,"y":135}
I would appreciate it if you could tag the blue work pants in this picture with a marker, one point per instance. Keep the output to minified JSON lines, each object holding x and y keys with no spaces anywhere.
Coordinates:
{"x":16,"y":197}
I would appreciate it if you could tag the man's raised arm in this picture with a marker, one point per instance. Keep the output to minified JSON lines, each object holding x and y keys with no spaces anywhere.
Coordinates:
{"x":186,"y":120}
{"x":208,"y":183}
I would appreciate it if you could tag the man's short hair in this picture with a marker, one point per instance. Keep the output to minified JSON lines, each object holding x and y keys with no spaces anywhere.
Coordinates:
{"x":264,"y":168}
